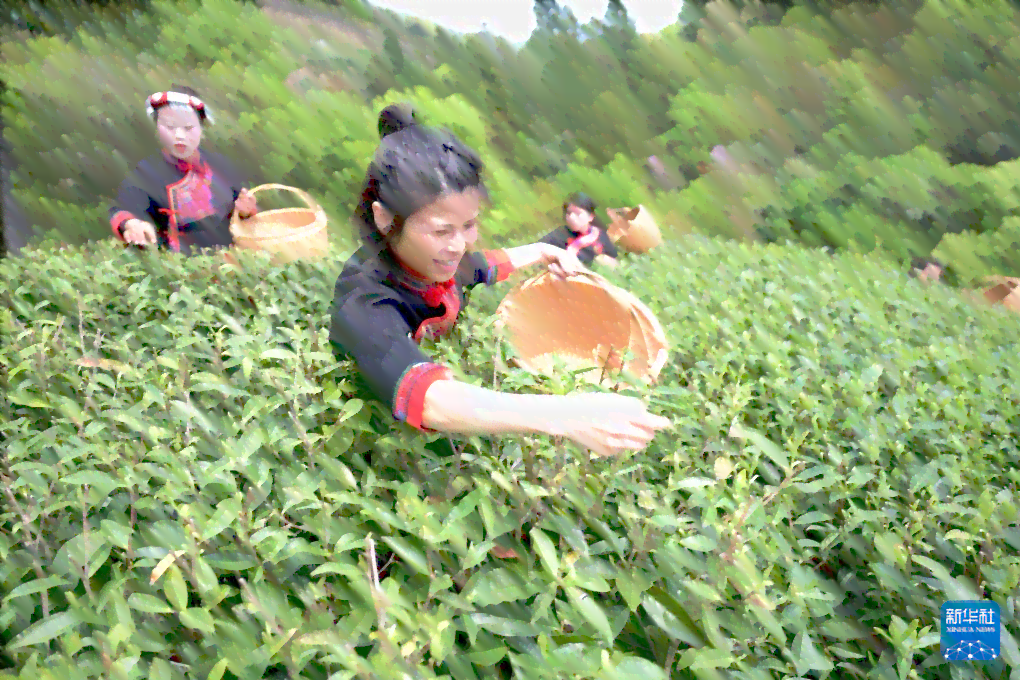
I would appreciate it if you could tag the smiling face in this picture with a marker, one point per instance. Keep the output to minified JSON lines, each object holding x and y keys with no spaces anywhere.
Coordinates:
{"x":434,"y":239}
{"x":578,"y":219}
{"x":180,"y":131}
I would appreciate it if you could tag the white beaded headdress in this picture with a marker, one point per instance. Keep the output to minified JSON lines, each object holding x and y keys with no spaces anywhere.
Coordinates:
{"x":159,"y":99}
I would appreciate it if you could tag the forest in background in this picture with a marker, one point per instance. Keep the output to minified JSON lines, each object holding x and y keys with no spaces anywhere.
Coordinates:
{"x":886,"y":125}
{"x":194,"y":487}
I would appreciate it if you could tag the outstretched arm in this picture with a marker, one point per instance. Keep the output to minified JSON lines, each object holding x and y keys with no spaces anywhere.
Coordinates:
{"x":561,"y":262}
{"x":533,"y":253}
{"x":608,"y":424}
{"x":494,"y":266}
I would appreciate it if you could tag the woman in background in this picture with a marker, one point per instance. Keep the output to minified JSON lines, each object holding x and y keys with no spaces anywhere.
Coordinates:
{"x":419,"y":215}
{"x":583,"y":234}
{"x":927,"y":269}
{"x":180,"y":198}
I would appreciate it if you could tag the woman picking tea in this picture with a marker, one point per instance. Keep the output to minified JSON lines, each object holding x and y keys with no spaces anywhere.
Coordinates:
{"x":583,"y":233}
{"x":419,"y":214}
{"x":180,"y":198}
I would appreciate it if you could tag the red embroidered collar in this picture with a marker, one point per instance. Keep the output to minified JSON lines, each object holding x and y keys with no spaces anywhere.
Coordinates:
{"x":194,"y":164}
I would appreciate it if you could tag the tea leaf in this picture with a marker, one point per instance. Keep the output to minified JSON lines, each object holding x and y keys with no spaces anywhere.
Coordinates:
{"x":148,"y":604}
{"x":43,"y":631}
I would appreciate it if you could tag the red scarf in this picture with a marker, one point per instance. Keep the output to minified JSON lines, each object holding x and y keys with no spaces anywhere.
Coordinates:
{"x":195,"y":164}
{"x":444,"y":293}
{"x":435,"y":294}
{"x":582,"y":241}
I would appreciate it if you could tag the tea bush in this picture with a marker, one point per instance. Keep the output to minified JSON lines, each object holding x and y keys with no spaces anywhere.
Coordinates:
{"x":195,"y":488}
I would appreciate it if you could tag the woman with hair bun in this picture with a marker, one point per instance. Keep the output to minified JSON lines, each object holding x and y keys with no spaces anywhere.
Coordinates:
{"x":180,"y":198}
{"x":394,"y":118}
{"x":418,"y":215}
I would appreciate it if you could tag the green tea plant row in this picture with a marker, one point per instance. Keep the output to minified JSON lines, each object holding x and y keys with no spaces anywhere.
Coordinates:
{"x":194,"y":488}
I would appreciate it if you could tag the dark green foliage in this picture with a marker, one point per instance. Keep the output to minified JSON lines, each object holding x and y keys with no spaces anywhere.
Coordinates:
{"x":839,"y":466}
{"x":65,"y":17}
{"x":391,"y":46}
{"x":555,"y":19}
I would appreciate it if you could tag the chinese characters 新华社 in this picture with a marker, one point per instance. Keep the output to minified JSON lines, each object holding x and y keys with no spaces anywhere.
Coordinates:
{"x":980,"y":617}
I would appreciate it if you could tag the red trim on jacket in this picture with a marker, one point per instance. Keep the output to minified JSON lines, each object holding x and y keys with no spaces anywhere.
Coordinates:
{"x":118,"y":220}
{"x":409,"y":402}
{"x":500,"y":267}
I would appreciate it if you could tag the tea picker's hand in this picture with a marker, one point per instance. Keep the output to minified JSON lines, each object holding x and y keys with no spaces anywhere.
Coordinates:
{"x":562,"y":263}
{"x":608,"y":424}
{"x":139,"y":232}
{"x":245,"y":205}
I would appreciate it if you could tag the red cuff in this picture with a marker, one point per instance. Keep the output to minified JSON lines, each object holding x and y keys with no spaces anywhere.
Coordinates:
{"x":119,"y":219}
{"x":409,"y":402}
{"x":500,"y":267}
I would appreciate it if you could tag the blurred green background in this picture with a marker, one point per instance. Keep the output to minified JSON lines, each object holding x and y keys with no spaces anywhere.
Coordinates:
{"x":887,"y":127}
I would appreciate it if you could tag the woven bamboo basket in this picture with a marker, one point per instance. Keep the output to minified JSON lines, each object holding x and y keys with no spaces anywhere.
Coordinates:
{"x":656,"y":346}
{"x":634,"y":229}
{"x":288,"y":233}
{"x":1004,"y":290}
{"x":583,"y":321}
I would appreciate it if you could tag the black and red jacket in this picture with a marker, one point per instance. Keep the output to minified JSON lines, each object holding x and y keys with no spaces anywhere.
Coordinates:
{"x":586,"y":246}
{"x":381,"y":311}
{"x":189,"y":203}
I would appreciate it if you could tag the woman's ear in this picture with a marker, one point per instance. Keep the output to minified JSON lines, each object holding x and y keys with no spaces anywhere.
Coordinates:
{"x":383,"y":218}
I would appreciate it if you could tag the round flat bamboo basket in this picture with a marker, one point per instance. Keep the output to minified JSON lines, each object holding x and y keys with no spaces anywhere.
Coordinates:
{"x":633,"y":229}
{"x":656,"y":346}
{"x":288,"y":233}
{"x":586,"y":323}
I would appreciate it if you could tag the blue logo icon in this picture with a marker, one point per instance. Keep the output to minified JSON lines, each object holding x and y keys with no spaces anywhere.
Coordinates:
{"x":970,"y":630}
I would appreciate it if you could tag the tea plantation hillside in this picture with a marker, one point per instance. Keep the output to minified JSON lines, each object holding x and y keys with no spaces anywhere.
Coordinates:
{"x":187,"y":493}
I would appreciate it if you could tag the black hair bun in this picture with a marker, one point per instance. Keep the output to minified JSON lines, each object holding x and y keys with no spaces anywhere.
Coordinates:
{"x":394,"y":118}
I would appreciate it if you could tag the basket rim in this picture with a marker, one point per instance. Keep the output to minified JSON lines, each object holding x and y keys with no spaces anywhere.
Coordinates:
{"x":510,"y":300}
{"x":623,"y":229}
{"x":311,"y":205}
{"x":644,"y":331}
{"x":247,"y":228}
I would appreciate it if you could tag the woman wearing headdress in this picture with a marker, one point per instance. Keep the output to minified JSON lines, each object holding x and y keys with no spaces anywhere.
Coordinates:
{"x":180,"y":198}
{"x":926,"y":269}
{"x":583,"y":233}
{"x":418,"y":216}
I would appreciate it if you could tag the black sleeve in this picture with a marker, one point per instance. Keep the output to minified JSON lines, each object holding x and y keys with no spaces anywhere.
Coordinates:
{"x":486,"y":267}
{"x":237,"y":179}
{"x":367,"y":327}
{"x":586,"y":255}
{"x":557,"y":237}
{"x":132,"y":202}
{"x":608,"y":247}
